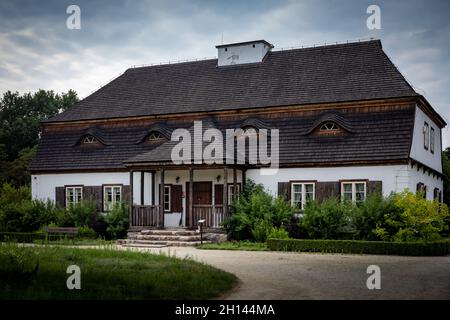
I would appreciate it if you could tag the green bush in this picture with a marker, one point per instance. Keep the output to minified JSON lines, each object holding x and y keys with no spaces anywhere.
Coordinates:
{"x":416,"y":220}
{"x":255,"y":212}
{"x":81,"y":213}
{"x":18,"y":263}
{"x":330,"y":219}
{"x":86,"y":233}
{"x":436,"y":248}
{"x":278,"y":233}
{"x":117,"y":220}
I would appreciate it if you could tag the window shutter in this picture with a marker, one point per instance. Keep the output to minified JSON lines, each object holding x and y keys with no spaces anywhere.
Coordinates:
{"x":218,"y":194}
{"x":60,"y":196}
{"x":175,"y":198}
{"x":284,"y":190}
{"x":94,"y":193}
{"x":126,"y":194}
{"x":374,"y":187}
{"x":327,"y":189}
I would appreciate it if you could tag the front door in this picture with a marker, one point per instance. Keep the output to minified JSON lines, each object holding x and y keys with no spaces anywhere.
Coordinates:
{"x":202,"y":194}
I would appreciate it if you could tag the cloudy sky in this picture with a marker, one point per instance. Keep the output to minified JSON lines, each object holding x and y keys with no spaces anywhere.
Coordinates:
{"x":37,"y":50}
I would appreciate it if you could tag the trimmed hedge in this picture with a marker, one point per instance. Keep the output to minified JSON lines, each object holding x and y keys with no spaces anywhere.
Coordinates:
{"x":21,"y":237}
{"x":436,"y":248}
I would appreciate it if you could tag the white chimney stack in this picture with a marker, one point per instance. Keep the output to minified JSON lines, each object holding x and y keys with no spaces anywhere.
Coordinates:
{"x":242,"y":52}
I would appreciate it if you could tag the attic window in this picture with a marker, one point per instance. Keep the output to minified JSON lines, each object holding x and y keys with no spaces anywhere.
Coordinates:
{"x":155,"y":137}
{"x":247,"y":131}
{"x":329,"y":126}
{"x":89,"y":140}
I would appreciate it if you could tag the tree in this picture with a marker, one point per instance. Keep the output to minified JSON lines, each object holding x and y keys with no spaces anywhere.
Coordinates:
{"x":20,"y":118}
{"x":446,"y":171}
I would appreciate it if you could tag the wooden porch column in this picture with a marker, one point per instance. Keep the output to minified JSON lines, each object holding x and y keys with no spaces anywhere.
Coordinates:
{"x":234,"y":184}
{"x":191,"y":197}
{"x":142,"y":187}
{"x":161,"y":199}
{"x":244,"y":178}
{"x":153,"y":187}
{"x":225,"y":191}
{"x":130,"y":217}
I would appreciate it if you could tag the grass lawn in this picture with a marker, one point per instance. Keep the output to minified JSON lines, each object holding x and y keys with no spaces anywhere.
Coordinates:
{"x":235,"y":245}
{"x":75,"y":242}
{"x":39,"y":272}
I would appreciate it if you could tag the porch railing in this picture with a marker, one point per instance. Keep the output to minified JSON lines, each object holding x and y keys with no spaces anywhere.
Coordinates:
{"x":146,"y":216}
{"x":212,"y":214}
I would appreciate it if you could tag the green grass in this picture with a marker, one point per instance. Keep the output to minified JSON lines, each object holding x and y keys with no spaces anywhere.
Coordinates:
{"x":236,"y":245}
{"x":75,"y":242}
{"x":39,"y":272}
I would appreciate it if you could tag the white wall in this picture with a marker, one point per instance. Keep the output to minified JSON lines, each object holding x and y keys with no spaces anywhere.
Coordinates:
{"x":43,"y":185}
{"x":244,"y":53}
{"x":426,"y":178}
{"x":394,"y":177}
{"x":418,"y":152}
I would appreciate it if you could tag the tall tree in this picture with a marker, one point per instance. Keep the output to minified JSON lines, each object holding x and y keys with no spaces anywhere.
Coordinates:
{"x":20,"y":118}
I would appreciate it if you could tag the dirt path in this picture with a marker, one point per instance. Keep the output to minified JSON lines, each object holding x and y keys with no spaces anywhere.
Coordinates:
{"x":276,"y":275}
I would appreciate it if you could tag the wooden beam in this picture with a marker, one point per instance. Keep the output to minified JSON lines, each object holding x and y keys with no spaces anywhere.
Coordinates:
{"x":161,"y":199}
{"x":142,"y":187}
{"x":153,"y":187}
{"x":225,"y":191}
{"x":191,"y":196}
{"x":131,"y":199}
{"x":234,"y":184}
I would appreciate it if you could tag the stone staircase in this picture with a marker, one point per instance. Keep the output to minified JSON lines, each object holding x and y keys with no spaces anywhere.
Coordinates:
{"x":158,"y":238}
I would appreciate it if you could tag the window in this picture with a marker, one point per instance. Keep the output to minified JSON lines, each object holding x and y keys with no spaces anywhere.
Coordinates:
{"x":329,"y":126}
{"x":231,"y":192}
{"x":73,"y":195}
{"x":111,"y":196}
{"x":437,"y":194}
{"x":89,"y":140}
{"x":155,"y":136}
{"x":247,"y":131}
{"x":422,"y":188}
{"x":432,"y":140}
{"x":167,"y":198}
{"x":302,"y":193}
{"x":353,"y":191}
{"x":426,"y":135}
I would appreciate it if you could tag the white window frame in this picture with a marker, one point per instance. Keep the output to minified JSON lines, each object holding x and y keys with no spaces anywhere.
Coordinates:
{"x":230,"y":191}
{"x":302,"y":192}
{"x":167,"y":208}
{"x":354,"y":183}
{"x":107,"y":205}
{"x":75,"y":197}
{"x":89,"y":140}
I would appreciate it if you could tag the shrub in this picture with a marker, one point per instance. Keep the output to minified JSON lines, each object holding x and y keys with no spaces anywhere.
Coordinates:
{"x":18,"y":263}
{"x":278,"y":233}
{"x":357,"y":246}
{"x":117,"y":220}
{"x":260,"y":230}
{"x":365,"y":215}
{"x":329,"y":219}
{"x":81,"y":213}
{"x":255,"y":212}
{"x":417,"y":219}
{"x":86,"y":233}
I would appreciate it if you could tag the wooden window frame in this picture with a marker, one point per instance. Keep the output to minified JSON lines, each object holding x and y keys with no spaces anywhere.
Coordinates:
{"x":113,"y":202}
{"x":426,"y":135}
{"x":169,"y":187}
{"x":432,"y":139}
{"x":66,"y":203}
{"x":229,"y":192}
{"x":303,"y":193}
{"x":353,"y":183}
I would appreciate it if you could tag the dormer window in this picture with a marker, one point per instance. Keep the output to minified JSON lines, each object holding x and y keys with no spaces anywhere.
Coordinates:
{"x":89,"y":140}
{"x":247,"y":131}
{"x":329,"y":127}
{"x":155,"y":137}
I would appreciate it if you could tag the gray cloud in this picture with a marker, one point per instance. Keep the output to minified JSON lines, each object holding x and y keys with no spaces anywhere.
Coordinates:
{"x":38,"y":51}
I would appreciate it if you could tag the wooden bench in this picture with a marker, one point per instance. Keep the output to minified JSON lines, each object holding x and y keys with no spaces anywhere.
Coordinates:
{"x":72,"y":232}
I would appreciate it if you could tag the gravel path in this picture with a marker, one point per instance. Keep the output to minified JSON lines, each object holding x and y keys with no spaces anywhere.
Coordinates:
{"x":277,"y":275}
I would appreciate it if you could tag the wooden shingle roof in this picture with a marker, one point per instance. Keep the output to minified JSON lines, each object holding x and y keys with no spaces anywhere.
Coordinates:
{"x":334,"y":73}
